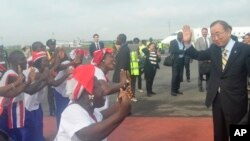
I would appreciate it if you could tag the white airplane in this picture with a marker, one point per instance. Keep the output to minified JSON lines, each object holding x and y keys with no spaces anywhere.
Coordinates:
{"x":73,"y":44}
{"x":237,"y":31}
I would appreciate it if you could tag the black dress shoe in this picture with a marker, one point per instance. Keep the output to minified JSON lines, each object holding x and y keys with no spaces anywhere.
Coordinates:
{"x":173,"y":94}
{"x":178,"y":92}
{"x":149,"y":94}
{"x":153,"y":93}
{"x":188,"y":80}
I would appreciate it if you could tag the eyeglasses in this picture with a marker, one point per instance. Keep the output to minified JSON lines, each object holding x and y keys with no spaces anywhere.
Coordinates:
{"x":218,"y":35}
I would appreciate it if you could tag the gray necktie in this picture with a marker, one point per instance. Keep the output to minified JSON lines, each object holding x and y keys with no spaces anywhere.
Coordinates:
{"x":206,"y":42}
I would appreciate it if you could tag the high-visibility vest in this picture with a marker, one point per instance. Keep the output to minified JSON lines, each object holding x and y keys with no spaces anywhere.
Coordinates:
{"x":160,"y":45}
{"x":141,"y":47}
{"x":134,"y":64}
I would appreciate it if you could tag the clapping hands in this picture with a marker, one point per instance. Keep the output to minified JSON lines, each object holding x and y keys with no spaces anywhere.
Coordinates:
{"x":123,"y":77}
{"x":32,"y":75}
{"x":124,"y":101}
{"x":20,"y":77}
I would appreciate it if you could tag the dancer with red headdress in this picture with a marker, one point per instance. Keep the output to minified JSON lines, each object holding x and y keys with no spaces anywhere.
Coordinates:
{"x":104,"y":61}
{"x":80,"y":120}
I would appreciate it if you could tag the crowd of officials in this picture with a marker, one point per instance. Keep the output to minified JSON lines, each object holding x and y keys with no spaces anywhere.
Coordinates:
{"x":78,"y":93}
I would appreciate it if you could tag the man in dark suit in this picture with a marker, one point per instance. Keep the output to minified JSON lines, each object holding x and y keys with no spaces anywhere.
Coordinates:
{"x":122,"y":57}
{"x":96,"y":45}
{"x":246,"y":40}
{"x":177,"y":49}
{"x":227,"y":87}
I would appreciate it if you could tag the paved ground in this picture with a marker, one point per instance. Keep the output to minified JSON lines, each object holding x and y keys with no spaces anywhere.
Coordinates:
{"x":191,"y":103}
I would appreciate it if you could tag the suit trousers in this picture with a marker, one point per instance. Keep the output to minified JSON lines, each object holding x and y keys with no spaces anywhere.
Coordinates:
{"x":200,"y":79}
{"x":248,"y":80}
{"x":150,"y":75}
{"x":249,"y":114}
{"x":177,"y":74}
{"x":221,"y":127}
{"x":203,"y":69}
{"x":187,"y":67}
{"x":222,"y":119}
{"x":140,"y":79}
{"x":133,"y":83}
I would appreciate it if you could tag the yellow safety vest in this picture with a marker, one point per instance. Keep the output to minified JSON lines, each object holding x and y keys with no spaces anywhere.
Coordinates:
{"x":160,"y":45}
{"x":134,"y":64}
{"x":140,"y":50}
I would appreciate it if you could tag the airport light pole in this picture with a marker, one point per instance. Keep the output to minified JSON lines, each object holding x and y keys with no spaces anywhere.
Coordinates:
{"x":169,"y":27}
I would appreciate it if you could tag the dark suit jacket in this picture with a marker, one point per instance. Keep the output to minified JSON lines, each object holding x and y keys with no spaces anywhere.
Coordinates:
{"x":93,"y":48}
{"x":174,"y":49}
{"x":235,"y":38}
{"x":122,"y":62}
{"x":232,"y":81}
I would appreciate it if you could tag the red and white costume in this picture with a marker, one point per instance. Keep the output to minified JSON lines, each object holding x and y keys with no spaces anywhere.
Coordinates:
{"x":74,"y":117}
{"x":15,"y":105}
{"x":98,"y":56}
{"x":32,"y":102}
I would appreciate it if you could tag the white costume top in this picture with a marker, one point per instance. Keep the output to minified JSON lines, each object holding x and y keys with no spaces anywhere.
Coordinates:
{"x":32,"y":102}
{"x":62,"y":87}
{"x":100,"y":76}
{"x":3,"y":82}
{"x":73,"y":119}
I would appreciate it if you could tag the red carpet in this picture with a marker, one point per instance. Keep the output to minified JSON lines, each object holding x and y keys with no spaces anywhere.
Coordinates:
{"x":153,"y":129}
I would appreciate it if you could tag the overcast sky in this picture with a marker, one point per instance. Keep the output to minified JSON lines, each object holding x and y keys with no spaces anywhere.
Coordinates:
{"x":26,"y":21}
